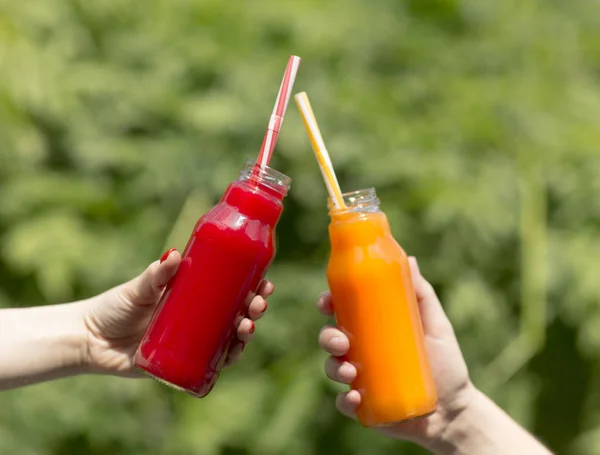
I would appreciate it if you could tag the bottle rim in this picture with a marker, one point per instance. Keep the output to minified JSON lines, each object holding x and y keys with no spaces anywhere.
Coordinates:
{"x":364,"y":200}
{"x":273,"y":179}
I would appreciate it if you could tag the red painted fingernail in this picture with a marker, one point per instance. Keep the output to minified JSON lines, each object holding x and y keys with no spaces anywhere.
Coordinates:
{"x":266,"y":305}
{"x":252,"y":327}
{"x":166,"y":255}
{"x":162,"y":286}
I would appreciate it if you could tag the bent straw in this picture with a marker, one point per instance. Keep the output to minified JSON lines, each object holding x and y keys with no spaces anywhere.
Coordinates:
{"x":276,"y":120}
{"x":318,"y":145}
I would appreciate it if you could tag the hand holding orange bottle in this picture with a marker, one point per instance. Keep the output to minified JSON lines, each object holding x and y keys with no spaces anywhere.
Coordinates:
{"x":466,"y":421}
{"x":448,"y":367}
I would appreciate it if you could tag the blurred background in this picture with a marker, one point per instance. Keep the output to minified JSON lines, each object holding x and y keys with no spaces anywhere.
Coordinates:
{"x":478,"y":122}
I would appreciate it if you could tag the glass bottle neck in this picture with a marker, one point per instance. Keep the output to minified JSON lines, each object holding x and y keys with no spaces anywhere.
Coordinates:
{"x":266,"y":179}
{"x":258,"y":193}
{"x":361,"y":201}
{"x":359,"y":221}
{"x":354,"y":229}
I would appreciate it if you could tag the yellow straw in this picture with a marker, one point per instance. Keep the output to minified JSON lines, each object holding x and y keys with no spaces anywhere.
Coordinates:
{"x":316,"y":140}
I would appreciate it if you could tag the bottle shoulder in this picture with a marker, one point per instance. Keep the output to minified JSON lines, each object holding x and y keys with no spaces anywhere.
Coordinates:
{"x":383,"y":248}
{"x":226,"y":220}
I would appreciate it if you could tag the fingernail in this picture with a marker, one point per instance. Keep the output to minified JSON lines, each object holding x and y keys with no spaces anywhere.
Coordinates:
{"x":414,"y":259}
{"x":243,"y":346}
{"x":162,"y":286}
{"x":166,"y":255}
{"x":265,"y":308}
{"x":252,"y":327}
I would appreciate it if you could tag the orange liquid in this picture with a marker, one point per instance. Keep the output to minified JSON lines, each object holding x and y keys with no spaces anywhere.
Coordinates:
{"x":375,"y":305}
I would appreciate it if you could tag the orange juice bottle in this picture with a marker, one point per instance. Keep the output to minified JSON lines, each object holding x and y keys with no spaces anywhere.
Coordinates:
{"x":375,"y":306}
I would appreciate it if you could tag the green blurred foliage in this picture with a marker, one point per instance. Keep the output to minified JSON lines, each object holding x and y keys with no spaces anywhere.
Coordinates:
{"x":477,"y":122}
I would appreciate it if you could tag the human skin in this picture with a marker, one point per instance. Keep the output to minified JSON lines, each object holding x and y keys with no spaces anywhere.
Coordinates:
{"x":98,"y":335}
{"x":466,"y":421}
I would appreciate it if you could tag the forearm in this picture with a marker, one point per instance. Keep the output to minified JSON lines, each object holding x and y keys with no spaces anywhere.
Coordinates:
{"x":41,"y":343}
{"x":485,"y":429}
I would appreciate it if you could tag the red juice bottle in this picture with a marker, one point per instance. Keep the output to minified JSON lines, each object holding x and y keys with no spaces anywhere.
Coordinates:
{"x":222,"y":265}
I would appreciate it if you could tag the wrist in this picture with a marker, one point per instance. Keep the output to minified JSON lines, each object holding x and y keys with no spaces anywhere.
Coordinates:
{"x":41,"y":343}
{"x":457,"y":421}
{"x":482,"y":427}
{"x":71,"y":337}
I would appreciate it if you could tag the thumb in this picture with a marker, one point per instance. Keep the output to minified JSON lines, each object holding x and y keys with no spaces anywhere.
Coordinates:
{"x":434,"y":319}
{"x":147,"y":287}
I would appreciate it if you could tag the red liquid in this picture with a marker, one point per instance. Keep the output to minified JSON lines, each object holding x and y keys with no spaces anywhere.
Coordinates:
{"x":223,"y":263}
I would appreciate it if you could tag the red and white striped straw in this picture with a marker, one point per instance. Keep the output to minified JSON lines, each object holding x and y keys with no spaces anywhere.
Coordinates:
{"x":276,"y":120}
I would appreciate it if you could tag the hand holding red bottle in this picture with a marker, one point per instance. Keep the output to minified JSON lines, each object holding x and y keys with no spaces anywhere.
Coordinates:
{"x":116,"y":320}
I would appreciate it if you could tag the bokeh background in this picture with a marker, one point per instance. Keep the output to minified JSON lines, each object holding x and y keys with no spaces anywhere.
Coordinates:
{"x":478,"y":123}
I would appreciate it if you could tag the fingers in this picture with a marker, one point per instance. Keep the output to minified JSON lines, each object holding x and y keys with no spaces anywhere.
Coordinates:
{"x":257,"y":308}
{"x":336,"y":343}
{"x":246,"y":326}
{"x":434,"y":319}
{"x":423,"y":288}
{"x":348,"y":402}
{"x":324,"y":304}
{"x":245,"y":330}
{"x":266,"y":289}
{"x":147,"y":287}
{"x":168,"y":265}
{"x":235,"y":353}
{"x":333,"y":341}
{"x":257,"y":303}
{"x":340,"y":371}
{"x":245,"y":333}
